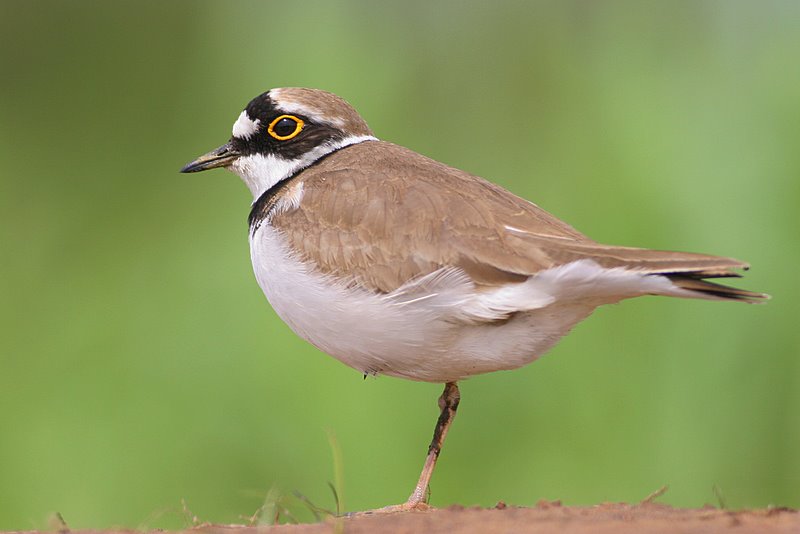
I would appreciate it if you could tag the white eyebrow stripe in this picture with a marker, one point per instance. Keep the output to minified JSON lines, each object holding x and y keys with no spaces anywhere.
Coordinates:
{"x":312,"y":113}
{"x":299,"y":109}
{"x":245,"y":127}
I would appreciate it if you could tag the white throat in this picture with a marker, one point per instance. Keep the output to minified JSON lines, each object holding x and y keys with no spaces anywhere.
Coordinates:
{"x":261,"y":172}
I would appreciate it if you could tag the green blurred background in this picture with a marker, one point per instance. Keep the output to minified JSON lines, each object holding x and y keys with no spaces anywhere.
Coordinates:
{"x":141,"y":365}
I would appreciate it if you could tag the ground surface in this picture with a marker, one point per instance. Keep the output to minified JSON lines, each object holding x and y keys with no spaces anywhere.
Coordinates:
{"x":551,"y":517}
{"x":545,"y":518}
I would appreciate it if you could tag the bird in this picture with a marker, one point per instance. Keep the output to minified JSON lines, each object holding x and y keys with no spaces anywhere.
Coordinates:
{"x":396,"y":264}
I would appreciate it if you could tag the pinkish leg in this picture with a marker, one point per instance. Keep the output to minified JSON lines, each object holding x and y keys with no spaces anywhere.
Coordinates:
{"x":448,"y":404}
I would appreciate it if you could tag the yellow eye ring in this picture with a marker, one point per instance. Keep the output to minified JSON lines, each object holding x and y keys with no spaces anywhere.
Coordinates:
{"x":282,"y":127}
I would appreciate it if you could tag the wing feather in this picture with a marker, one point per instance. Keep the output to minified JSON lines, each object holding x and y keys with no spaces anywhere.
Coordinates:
{"x":384,"y":215}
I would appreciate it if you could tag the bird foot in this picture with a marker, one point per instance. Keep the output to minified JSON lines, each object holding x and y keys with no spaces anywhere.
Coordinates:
{"x":393,"y":509}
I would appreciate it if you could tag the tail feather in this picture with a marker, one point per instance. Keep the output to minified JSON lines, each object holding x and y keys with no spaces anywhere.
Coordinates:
{"x":694,"y":282}
{"x":685,"y":270}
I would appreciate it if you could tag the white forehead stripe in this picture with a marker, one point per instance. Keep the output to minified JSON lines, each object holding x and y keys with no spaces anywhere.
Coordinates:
{"x":245,"y":127}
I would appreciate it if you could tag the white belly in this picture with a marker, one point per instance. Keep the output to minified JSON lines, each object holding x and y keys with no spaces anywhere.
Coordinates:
{"x":417,"y":333}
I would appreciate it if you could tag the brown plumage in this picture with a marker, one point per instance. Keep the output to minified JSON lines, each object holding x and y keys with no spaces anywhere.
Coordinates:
{"x":397,"y":264}
{"x":381,"y":215}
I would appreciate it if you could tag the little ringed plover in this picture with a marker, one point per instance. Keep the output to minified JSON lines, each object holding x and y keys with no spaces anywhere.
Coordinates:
{"x":396,"y":264}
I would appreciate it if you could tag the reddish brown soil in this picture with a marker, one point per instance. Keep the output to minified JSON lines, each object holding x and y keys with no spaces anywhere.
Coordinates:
{"x":545,"y":518}
{"x":548,"y":518}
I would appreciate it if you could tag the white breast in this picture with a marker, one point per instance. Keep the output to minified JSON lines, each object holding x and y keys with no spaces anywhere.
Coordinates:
{"x":435,"y":328}
{"x":355,"y":326}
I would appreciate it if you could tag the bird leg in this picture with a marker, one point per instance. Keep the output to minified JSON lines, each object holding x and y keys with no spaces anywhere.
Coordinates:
{"x":448,"y":404}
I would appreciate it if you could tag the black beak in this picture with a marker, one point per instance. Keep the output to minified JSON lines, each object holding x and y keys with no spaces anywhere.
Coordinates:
{"x":220,"y":157}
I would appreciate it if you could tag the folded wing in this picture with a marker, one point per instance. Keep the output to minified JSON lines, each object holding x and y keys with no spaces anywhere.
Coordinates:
{"x":389,"y":216}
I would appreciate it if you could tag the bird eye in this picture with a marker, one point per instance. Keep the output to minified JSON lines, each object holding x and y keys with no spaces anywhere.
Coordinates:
{"x":285,"y":127}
